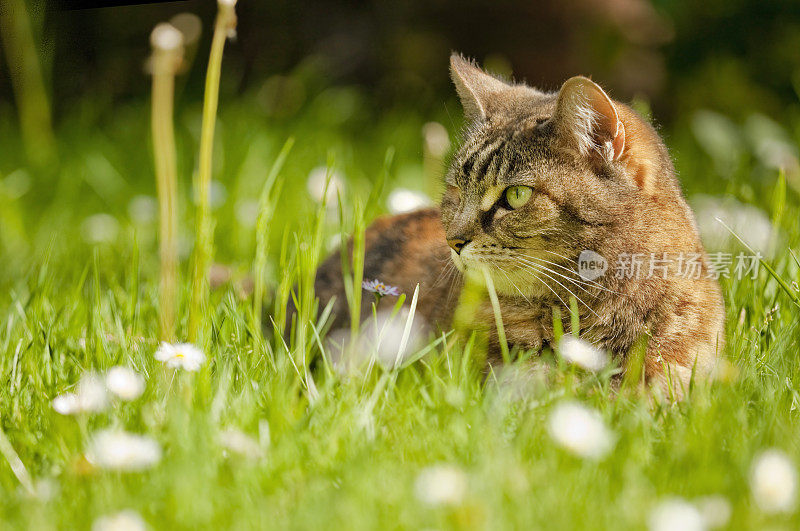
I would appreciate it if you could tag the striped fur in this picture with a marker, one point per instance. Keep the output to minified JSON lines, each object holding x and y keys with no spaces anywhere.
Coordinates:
{"x":601,"y":180}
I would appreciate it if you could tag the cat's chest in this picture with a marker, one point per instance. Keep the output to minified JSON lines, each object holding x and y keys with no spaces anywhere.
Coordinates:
{"x":532,"y":324}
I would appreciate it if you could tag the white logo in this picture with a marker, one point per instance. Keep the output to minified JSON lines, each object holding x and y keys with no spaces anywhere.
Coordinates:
{"x":591,"y":265}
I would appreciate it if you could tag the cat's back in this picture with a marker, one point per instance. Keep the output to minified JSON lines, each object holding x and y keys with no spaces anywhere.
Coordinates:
{"x":401,"y":251}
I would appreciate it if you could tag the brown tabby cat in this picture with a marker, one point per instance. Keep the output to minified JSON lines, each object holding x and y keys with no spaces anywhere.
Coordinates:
{"x":540,"y":179}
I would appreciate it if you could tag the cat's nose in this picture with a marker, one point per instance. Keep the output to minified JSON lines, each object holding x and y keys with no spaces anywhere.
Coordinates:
{"x":457,"y":244}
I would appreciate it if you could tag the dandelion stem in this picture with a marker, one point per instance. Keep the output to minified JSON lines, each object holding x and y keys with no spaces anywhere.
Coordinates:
{"x":28,"y":82}
{"x":167,"y":45}
{"x":224,"y":26}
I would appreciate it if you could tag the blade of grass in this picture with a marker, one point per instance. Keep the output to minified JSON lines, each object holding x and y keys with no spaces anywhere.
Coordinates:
{"x":786,"y":287}
{"x":407,"y":329}
{"x":16,"y":464}
{"x":266,"y":207}
{"x":498,"y":318}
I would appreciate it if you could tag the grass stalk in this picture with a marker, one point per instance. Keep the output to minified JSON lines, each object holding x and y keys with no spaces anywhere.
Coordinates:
{"x":16,"y":464}
{"x":167,"y":43}
{"x":28,"y":81}
{"x":498,"y":318}
{"x":266,"y":207}
{"x":224,"y":27}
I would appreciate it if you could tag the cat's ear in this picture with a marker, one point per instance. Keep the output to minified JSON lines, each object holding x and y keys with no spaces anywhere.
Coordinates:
{"x":476,"y":88}
{"x":587,"y":120}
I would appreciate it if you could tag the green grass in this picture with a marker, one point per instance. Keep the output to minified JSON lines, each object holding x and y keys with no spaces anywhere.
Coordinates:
{"x":344,"y":452}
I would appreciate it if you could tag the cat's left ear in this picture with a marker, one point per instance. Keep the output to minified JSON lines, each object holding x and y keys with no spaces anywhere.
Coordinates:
{"x":588,"y":121}
{"x":477,"y":89}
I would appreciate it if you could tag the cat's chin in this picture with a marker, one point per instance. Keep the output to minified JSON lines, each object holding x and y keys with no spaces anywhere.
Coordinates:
{"x":512,"y":283}
{"x":459,"y":263}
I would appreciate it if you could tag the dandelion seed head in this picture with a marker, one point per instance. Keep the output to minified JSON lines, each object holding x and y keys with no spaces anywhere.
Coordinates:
{"x":189,"y":25}
{"x":441,"y":485}
{"x":582,"y":353}
{"x":125,"y":383}
{"x":773,"y":482}
{"x":166,"y":37}
{"x":580,"y":430}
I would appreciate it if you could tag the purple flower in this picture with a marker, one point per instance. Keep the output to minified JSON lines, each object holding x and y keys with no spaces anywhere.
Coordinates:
{"x":376,"y":286}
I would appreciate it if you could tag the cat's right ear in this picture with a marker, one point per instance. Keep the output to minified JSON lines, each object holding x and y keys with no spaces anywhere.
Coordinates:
{"x":476,"y":88}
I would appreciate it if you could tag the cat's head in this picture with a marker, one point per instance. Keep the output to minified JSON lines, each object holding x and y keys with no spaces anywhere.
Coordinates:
{"x":542,"y":176}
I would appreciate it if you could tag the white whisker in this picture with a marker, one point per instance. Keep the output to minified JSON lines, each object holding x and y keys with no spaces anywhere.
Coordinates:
{"x":577,"y":283}
{"x":583,"y":280}
{"x":542,"y":269}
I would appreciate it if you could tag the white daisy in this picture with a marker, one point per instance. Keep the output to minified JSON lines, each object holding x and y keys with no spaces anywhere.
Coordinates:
{"x":67,"y":404}
{"x":239,"y":442}
{"x":773,"y":482}
{"x":247,"y":212}
{"x":92,"y":395}
{"x":316,"y":186}
{"x":750,"y":223}
{"x":127,"y":520}
{"x":580,"y":430}
{"x":441,"y":485}
{"x":676,"y":514}
{"x":143,"y":209}
{"x":716,"y":510}
{"x":404,"y":200}
{"x":125,"y":383}
{"x":437,"y":140}
{"x":100,"y":228}
{"x":582,"y":353}
{"x":120,"y":450}
{"x":181,"y":356}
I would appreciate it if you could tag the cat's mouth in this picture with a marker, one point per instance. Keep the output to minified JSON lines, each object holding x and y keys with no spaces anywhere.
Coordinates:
{"x":517,"y":272}
{"x":509,"y":274}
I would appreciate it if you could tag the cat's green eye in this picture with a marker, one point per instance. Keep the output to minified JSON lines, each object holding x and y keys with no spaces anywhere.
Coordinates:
{"x":517,"y":196}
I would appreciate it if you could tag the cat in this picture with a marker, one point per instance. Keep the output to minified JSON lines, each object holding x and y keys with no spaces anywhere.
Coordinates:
{"x":541,"y":181}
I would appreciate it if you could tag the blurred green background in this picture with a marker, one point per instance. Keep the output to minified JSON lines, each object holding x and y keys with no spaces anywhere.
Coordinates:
{"x":350,"y":80}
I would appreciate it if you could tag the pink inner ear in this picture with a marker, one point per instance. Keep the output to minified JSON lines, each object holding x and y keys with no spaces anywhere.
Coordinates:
{"x":609,"y":128}
{"x":618,"y":143}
